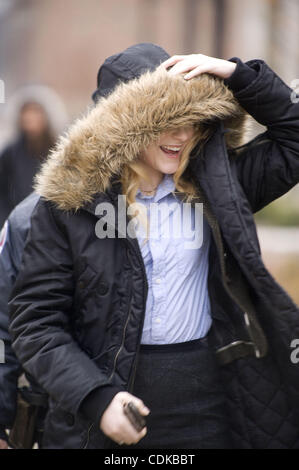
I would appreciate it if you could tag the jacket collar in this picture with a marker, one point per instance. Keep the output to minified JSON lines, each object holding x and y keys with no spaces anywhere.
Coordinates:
{"x":166,"y":187}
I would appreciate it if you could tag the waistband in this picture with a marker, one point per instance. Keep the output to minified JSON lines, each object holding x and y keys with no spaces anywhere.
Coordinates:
{"x":173,"y":347}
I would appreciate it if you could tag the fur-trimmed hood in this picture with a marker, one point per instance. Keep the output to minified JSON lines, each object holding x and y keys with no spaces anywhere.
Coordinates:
{"x":113,"y":133}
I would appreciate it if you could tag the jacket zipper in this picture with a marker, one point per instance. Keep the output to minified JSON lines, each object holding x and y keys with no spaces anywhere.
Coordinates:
{"x":122,"y":342}
{"x":132,"y":377}
{"x":145,"y":291}
{"x":88,"y":436}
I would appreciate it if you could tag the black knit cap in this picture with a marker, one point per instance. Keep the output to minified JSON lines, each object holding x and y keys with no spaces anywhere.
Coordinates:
{"x":127,"y":65}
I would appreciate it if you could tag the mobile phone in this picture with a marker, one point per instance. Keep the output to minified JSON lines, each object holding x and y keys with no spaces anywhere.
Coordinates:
{"x":135,"y":418}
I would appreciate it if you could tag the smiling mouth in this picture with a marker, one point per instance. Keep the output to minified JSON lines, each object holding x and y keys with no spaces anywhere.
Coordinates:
{"x":171,"y":150}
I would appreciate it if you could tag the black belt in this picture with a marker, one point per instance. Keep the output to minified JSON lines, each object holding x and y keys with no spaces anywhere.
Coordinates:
{"x":174,"y":347}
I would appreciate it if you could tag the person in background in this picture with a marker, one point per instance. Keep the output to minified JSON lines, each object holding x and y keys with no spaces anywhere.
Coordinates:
{"x":35,"y":135}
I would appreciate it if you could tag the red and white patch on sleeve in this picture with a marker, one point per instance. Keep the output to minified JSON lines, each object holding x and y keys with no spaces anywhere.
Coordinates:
{"x":3,"y":236}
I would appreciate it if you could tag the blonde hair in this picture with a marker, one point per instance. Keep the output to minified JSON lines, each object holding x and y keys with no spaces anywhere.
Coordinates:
{"x":134,"y":171}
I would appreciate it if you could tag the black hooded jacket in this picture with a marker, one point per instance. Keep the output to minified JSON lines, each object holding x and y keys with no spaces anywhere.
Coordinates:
{"x":17,"y":170}
{"x":78,"y":305}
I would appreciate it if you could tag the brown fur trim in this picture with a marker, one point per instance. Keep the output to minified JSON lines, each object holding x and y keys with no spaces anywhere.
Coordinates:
{"x":113,"y":133}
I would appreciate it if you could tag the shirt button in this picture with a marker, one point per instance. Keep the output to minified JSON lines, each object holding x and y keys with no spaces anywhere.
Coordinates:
{"x":158,"y":281}
{"x":158,"y":320}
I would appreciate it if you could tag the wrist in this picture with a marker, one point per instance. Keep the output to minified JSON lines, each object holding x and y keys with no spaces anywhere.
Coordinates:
{"x":242,"y":76}
{"x":96,"y":403}
{"x":230,"y":68}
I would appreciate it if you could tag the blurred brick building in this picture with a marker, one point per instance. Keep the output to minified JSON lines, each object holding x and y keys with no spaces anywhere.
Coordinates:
{"x":62,"y":42}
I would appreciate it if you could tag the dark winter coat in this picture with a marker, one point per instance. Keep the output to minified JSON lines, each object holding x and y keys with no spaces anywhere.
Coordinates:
{"x":12,"y":241}
{"x":78,"y":305}
{"x":17,"y":169}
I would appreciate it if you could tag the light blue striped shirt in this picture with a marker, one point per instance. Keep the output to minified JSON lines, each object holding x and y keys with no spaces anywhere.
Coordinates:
{"x":178,"y":304}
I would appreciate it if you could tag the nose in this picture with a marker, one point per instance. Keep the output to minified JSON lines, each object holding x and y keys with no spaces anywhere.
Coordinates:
{"x":183,"y":133}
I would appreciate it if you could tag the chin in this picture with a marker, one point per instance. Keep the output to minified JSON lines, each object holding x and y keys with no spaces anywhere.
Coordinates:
{"x":169,"y":169}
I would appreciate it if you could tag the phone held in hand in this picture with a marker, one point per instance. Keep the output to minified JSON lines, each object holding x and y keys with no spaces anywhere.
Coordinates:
{"x":135,"y":418}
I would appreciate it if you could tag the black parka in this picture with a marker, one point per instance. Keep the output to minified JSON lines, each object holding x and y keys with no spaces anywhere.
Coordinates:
{"x":78,"y":305}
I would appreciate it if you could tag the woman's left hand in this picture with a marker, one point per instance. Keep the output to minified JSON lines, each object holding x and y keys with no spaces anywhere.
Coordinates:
{"x":195,"y":64}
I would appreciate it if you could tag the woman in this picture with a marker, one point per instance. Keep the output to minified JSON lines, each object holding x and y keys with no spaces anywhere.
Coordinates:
{"x":37,"y":117}
{"x":197,"y":338}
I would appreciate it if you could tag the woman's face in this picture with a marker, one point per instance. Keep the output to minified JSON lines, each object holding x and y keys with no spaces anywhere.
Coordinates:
{"x":164,"y":155}
{"x":33,"y":120}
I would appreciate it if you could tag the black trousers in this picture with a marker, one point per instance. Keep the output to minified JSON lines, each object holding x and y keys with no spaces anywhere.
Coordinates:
{"x":180,"y":384}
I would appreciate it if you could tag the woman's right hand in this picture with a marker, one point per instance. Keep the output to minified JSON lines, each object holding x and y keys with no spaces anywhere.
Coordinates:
{"x":116,"y":425}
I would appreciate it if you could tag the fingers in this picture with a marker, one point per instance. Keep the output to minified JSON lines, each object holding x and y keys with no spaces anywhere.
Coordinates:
{"x":197,"y":71}
{"x":126,"y":397}
{"x":116,"y":425}
{"x":172,"y":61}
{"x":193,"y":65}
{"x":128,"y":434}
{"x":125,"y":433}
{"x":142,"y":408}
{"x":181,"y":67}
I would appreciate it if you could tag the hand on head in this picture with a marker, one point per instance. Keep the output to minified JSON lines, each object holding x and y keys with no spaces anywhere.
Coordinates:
{"x":193,"y":65}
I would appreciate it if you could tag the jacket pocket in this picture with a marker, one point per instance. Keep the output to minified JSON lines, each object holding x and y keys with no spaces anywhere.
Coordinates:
{"x":84,"y":283}
{"x":63,"y":430}
{"x":86,"y":277}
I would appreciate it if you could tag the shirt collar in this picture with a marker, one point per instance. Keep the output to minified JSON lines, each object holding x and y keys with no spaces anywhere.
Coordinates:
{"x":166,"y":187}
